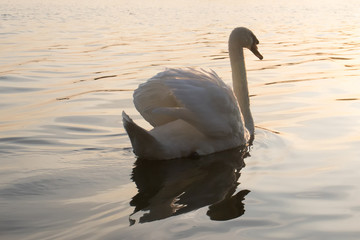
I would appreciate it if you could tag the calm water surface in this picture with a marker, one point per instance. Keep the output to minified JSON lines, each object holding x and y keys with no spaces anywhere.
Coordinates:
{"x":68,"y":69}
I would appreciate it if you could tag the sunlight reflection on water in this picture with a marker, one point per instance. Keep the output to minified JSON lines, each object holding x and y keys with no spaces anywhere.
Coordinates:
{"x":68,"y":69}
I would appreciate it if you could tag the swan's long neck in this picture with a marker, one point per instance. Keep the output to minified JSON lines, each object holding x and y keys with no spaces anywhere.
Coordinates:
{"x":240,"y":84}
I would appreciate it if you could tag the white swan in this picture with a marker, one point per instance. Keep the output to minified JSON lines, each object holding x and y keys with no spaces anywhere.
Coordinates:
{"x":194,"y":111}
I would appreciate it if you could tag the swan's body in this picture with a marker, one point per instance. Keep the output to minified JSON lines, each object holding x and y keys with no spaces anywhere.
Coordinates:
{"x":194,"y":112}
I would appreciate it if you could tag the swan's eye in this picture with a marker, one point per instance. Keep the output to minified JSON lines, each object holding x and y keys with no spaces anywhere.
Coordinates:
{"x":255,"y":40}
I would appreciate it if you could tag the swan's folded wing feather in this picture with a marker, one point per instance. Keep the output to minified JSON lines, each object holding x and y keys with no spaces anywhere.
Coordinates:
{"x":201,"y":98}
{"x":212,"y":103}
{"x":152,"y":95}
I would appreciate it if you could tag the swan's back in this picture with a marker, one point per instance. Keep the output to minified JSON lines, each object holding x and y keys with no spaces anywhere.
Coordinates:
{"x":198,"y":97}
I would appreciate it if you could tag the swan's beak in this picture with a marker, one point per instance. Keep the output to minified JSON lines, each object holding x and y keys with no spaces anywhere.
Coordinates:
{"x":255,"y":51}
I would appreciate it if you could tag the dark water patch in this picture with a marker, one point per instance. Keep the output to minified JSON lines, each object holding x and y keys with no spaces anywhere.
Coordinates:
{"x":334,"y":234}
{"x":341,"y":58}
{"x":320,"y":195}
{"x":35,"y":188}
{"x":219,"y":58}
{"x":293,"y":63}
{"x":81,"y":129}
{"x":62,"y":184}
{"x":22,"y":226}
{"x":11,"y":78}
{"x":32,"y":61}
{"x":347,"y":99}
{"x":266,"y":129}
{"x":64,"y":128}
{"x":5,"y":105}
{"x":117,"y":135}
{"x":296,"y":80}
{"x":93,"y":149}
{"x":12,"y":90}
{"x":329,"y":193}
{"x":39,"y":142}
{"x":30,"y":141}
{"x":102,"y":77}
{"x":9,"y":149}
{"x":92,"y":91}
{"x":11,"y":139}
{"x":80,"y":120}
{"x":101,"y":150}
{"x":26,"y":140}
{"x":10,"y":225}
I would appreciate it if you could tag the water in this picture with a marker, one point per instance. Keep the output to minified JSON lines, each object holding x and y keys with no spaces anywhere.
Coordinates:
{"x":68,"y":69}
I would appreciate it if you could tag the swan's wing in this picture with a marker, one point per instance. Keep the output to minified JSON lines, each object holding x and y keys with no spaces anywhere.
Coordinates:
{"x":152,"y":95}
{"x":201,"y":98}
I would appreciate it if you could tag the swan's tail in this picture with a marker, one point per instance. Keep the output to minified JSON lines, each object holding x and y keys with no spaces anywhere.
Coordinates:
{"x":143,"y":143}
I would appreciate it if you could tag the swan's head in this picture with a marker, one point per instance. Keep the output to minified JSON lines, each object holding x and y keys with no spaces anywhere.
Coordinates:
{"x":245,"y":38}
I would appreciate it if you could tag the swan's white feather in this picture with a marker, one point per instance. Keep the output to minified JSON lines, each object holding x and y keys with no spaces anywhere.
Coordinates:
{"x":197,"y":97}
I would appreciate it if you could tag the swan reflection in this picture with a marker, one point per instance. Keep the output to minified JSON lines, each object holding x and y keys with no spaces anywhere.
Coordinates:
{"x":167,"y":188}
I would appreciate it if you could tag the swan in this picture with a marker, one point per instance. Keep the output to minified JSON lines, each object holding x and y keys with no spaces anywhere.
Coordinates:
{"x":193,"y":112}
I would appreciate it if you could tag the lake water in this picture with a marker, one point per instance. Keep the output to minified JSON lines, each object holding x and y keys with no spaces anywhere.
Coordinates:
{"x":68,"y":69}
